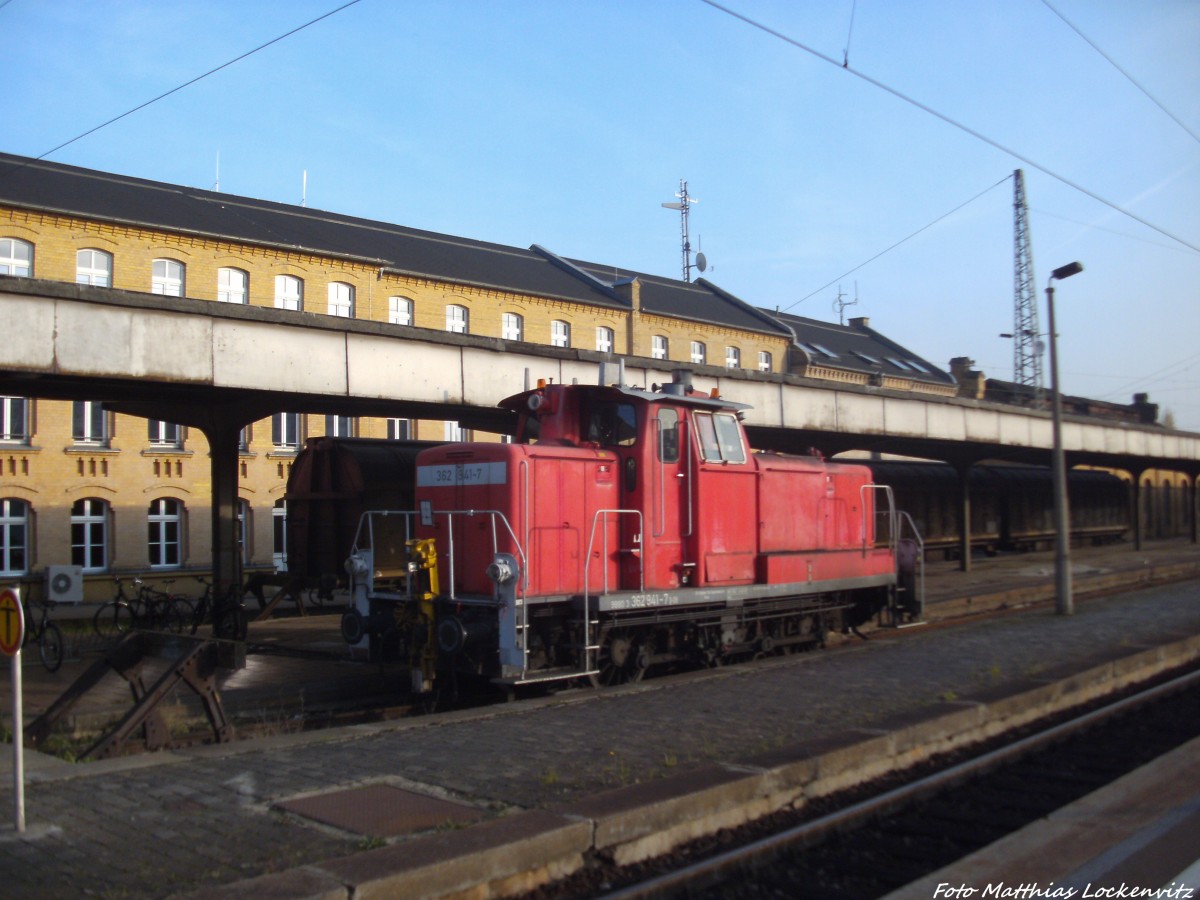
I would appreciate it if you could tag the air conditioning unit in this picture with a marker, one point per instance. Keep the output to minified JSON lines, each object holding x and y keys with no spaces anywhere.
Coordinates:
{"x":64,"y":584}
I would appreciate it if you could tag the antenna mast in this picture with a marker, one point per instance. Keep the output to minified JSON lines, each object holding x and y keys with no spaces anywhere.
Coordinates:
{"x":1027,"y":339}
{"x":685,"y":201}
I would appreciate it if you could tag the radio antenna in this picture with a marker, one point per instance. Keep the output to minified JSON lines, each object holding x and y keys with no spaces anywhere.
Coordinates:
{"x":683,"y":205}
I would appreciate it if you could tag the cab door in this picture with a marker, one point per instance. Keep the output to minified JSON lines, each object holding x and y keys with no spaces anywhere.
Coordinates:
{"x":667,"y":503}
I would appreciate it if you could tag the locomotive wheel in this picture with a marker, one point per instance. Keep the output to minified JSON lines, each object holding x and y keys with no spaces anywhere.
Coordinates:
{"x":622,"y":660}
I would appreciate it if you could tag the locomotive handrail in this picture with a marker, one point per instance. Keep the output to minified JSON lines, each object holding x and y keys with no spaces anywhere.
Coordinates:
{"x":449,"y":514}
{"x":602,"y":515}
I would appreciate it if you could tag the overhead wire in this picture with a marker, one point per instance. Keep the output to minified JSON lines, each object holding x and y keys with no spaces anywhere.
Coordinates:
{"x":925,"y":227}
{"x":949,"y":121}
{"x":1112,"y":62}
{"x":189,"y":83}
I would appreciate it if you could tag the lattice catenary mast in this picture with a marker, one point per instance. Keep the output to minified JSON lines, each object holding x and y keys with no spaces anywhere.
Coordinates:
{"x":1027,"y":340}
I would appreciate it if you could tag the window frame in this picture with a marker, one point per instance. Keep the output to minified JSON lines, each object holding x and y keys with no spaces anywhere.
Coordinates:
{"x":512,"y":327}
{"x":400,"y":310}
{"x":90,"y":527}
{"x":10,"y":261}
{"x":341,"y":300}
{"x":230,"y":293}
{"x":458,"y":319}
{"x":15,"y":515}
{"x":699,"y":353}
{"x":606,"y":339}
{"x":97,"y":276}
{"x":168,"y":284}
{"x":13,"y":409}
{"x":164,"y":533}
{"x":659,"y":346}
{"x":284,"y":299}
{"x":90,"y":424}
{"x":560,"y":333}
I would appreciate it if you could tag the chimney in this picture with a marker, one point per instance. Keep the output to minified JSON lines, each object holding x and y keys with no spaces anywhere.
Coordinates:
{"x":860,"y":322}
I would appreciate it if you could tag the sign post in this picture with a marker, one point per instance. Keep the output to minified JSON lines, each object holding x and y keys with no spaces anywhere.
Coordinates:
{"x":12,"y":635}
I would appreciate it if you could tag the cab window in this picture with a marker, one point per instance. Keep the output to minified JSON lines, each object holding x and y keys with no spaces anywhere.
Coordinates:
{"x":668,"y":435}
{"x":720,"y":438}
{"x":612,"y":425}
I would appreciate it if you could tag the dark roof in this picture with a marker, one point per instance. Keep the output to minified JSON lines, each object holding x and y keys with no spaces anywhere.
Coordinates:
{"x":859,"y":348}
{"x":70,"y":190}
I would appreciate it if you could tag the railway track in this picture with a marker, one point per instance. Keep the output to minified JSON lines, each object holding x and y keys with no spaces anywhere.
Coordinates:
{"x":872,"y":845}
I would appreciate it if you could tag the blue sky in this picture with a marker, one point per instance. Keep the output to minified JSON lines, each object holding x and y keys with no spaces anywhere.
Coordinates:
{"x":568,"y":124}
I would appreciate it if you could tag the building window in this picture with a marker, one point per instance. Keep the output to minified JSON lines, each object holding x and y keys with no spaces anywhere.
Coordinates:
{"x":455,"y":433}
{"x":89,"y":424}
{"x":165,"y":434}
{"x":733,"y":358}
{"x":400,"y":311}
{"x":243,"y":529}
{"x":233,"y":286}
{"x":512,"y":327}
{"x":93,"y":267}
{"x":167,"y":278}
{"x":89,"y":535}
{"x":14,"y":537}
{"x":285,"y":431}
{"x":165,"y":521}
{"x":658,"y":347}
{"x":699,"y":353}
{"x":764,"y":361}
{"x":457,"y":319}
{"x":560,"y":334}
{"x":399,"y":429}
{"x":339,"y":426}
{"x":289,"y":292}
{"x":14,"y":419}
{"x":604,"y":339}
{"x":341,"y":299}
{"x":16,"y":257}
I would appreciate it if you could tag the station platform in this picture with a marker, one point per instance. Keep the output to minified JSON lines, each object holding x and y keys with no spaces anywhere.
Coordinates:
{"x":505,"y":795}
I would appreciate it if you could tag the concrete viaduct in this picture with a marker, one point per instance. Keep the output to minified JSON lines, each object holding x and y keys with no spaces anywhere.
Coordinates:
{"x":219,"y":367}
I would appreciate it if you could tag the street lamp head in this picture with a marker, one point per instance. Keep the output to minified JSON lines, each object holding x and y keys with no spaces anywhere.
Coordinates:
{"x":1066,"y":271}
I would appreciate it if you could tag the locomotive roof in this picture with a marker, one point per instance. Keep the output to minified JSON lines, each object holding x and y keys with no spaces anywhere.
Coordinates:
{"x":69,"y":190}
{"x":517,"y":402}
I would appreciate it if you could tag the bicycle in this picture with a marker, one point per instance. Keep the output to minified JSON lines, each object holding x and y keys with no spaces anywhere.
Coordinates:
{"x":48,"y":636}
{"x":147,"y":608}
{"x":116,"y":616}
{"x":230,"y":623}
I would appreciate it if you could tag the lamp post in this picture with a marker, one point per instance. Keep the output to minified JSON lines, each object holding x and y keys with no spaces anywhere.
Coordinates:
{"x":1064,"y":604}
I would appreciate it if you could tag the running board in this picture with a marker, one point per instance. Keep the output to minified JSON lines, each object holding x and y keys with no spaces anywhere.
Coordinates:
{"x":544,"y":675}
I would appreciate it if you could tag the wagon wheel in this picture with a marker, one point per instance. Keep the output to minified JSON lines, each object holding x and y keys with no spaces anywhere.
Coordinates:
{"x":622,"y":659}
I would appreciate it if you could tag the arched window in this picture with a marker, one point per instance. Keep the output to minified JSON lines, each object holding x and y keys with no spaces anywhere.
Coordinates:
{"x":289,"y":292}
{"x":93,"y":267}
{"x":560,"y":334}
{"x":764,"y":361}
{"x":341,"y":299}
{"x":14,"y":537}
{"x":457,"y":319}
{"x":233,"y":286}
{"x":604,"y":339}
{"x":400,"y":311}
{"x":658,"y":346}
{"x":16,"y":257}
{"x":167,"y":278}
{"x":699,"y":352}
{"x":89,"y":534}
{"x":165,"y":520}
{"x":733,"y":358}
{"x":512,"y":327}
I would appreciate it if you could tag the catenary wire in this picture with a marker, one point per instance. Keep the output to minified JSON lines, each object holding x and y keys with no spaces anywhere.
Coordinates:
{"x":926,"y":227}
{"x":949,"y":121}
{"x":1112,"y":62}
{"x":180,"y":87}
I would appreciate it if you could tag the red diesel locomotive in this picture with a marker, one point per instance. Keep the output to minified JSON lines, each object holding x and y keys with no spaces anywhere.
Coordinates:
{"x":622,"y":529}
